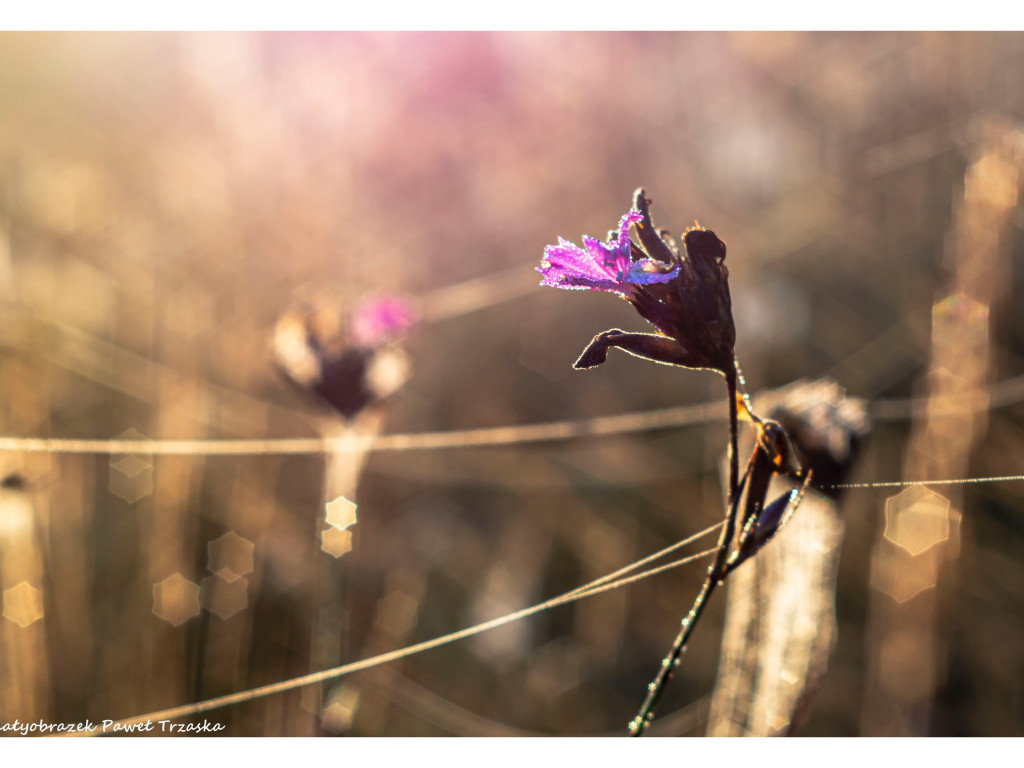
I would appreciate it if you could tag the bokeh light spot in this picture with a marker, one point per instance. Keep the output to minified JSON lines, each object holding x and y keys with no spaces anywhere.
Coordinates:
{"x":902,"y":576}
{"x":341,"y":513}
{"x":130,"y":466}
{"x":335,"y":542}
{"x":917,"y":519}
{"x":131,"y":489}
{"x":340,"y":709}
{"x":131,"y":477}
{"x":23,"y":604}
{"x":176,"y":599}
{"x":230,"y":556}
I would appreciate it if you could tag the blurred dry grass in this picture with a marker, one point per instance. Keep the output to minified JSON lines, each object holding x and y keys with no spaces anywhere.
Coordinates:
{"x":164,"y":196}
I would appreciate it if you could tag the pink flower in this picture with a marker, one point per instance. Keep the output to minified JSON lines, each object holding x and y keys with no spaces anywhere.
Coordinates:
{"x":380,"y":320}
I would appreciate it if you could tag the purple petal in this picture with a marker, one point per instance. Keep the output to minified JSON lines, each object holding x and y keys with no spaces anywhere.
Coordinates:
{"x":377,"y":320}
{"x":620,"y":246}
{"x":631,"y":217}
{"x":601,"y":266}
{"x":569,"y":259}
{"x":604,"y":256}
{"x":648,"y":271}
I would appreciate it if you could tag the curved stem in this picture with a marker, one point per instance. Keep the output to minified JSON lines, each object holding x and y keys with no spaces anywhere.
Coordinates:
{"x":734,"y":434}
{"x":715,"y":575}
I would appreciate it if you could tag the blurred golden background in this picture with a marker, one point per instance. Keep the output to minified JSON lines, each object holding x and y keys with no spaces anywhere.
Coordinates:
{"x":164,"y":198}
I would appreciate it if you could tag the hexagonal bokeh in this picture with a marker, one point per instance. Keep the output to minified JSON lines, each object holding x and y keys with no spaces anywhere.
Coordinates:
{"x":131,"y":476}
{"x":340,"y":708}
{"x":176,"y":599}
{"x":903,"y":576}
{"x":917,"y":519}
{"x":225,"y":597}
{"x":230,"y":556}
{"x":130,"y":466}
{"x":341,"y":513}
{"x":23,"y":604}
{"x":129,"y":480}
{"x":335,"y":542}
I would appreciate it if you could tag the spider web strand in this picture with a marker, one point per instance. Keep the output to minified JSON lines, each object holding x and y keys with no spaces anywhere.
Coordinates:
{"x":592,"y":588}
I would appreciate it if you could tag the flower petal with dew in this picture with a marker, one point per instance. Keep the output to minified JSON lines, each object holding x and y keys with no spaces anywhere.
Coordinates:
{"x":602,"y":266}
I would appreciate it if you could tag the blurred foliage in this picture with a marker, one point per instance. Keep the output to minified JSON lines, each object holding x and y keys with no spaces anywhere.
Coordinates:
{"x":164,"y":197}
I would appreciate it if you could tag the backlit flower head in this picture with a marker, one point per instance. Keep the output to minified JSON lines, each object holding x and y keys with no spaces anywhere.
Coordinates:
{"x":379,"y":320}
{"x":602,"y":266}
{"x":683,"y":294}
{"x":350,"y":366}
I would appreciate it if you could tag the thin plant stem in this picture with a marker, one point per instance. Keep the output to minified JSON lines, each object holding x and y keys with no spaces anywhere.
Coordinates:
{"x":715,"y":575}
{"x":734,"y":448}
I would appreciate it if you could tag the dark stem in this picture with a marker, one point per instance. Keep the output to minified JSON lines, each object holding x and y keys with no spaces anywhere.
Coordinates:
{"x":734,"y":438}
{"x":715,"y":575}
